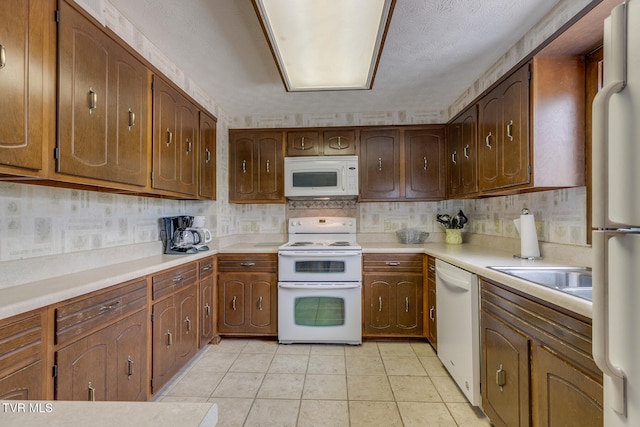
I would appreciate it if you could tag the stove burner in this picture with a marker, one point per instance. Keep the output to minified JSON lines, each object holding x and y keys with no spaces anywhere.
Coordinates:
{"x":340,"y":243}
{"x":300,"y":244}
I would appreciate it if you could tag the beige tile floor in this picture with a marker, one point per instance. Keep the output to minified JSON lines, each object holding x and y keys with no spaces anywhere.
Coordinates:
{"x":263,"y":383}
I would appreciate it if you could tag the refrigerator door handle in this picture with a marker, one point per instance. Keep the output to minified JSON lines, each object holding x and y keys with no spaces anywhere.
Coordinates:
{"x":600,"y":323}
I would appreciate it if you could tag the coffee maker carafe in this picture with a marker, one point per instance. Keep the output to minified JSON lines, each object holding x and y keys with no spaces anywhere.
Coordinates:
{"x":176,"y":236}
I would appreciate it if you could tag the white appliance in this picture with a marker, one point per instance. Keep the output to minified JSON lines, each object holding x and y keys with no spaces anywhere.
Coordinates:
{"x":320,"y":282}
{"x":616,"y":218}
{"x":457,"y":299}
{"x":321,"y":177}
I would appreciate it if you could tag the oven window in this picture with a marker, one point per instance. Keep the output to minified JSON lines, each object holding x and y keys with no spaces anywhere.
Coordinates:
{"x":319,"y":311}
{"x":319,"y":266}
{"x":315,"y":179}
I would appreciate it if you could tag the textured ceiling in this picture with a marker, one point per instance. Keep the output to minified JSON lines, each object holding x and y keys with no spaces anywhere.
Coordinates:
{"x":435,"y":49}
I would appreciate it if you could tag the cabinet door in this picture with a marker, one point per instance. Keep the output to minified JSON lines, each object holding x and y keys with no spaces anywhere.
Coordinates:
{"x":262,"y":303}
{"x":505,"y":373}
{"x":304,"y":143}
{"x":339,"y":142}
{"x":129,"y":380}
{"x":454,"y":150}
{"x":207,"y":311}
{"x":514,"y":150}
{"x":433,"y":314}
{"x":468,"y":156}
{"x":269,"y":167}
{"x":23,"y":384}
{"x":379,"y":164}
{"x":207,"y":156}
{"x":83,"y":368}
{"x":165,"y":336}
{"x":187,"y":302}
{"x":378,"y":297}
{"x":231,"y":288}
{"x":490,"y":133}
{"x":409,"y":305}
{"x":27,"y":40}
{"x":563,"y":394}
{"x":242,"y":176}
{"x":188,"y":147}
{"x":425,"y":164}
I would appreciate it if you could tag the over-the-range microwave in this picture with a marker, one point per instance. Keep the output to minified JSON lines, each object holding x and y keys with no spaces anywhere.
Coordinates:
{"x":319,"y":177}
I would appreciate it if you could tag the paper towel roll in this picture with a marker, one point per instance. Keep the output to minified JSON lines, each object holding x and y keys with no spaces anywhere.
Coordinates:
{"x":526,"y":226}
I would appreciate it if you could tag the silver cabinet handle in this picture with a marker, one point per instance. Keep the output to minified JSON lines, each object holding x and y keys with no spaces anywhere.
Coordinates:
{"x":188,"y":322}
{"x":244,"y":166}
{"x":453,"y":158}
{"x":487,"y":142}
{"x":208,"y":155}
{"x":392,"y":263}
{"x":260,"y":303}
{"x":247,"y":264}
{"x":466,"y":151}
{"x":3,"y":56}
{"x":189,"y":146}
{"x":432,"y":309}
{"x":169,"y":137}
{"x":268,"y":168}
{"x":501,"y":378}
{"x":92,"y":392}
{"x":379,"y":303}
{"x":424,"y":159}
{"x":233,"y":303}
{"x":207,"y":267}
{"x":339,"y":146}
{"x":302,"y":143}
{"x":132,"y":119}
{"x":432,"y":268}
{"x":93,"y":100}
{"x":406,"y":304}
{"x":110,"y":306}
{"x":207,"y":310}
{"x":380,"y":163}
{"x":179,"y":278}
{"x":169,"y":338}
{"x":130,"y":366}
{"x":509,"y":130}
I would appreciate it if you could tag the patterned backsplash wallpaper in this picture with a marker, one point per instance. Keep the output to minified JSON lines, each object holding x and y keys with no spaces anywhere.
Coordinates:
{"x":37,"y":221}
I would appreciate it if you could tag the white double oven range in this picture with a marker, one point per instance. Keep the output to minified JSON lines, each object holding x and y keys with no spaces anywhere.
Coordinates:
{"x":320,"y":282}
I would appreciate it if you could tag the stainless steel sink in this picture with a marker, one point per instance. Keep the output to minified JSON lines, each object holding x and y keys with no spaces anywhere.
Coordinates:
{"x":572,"y":280}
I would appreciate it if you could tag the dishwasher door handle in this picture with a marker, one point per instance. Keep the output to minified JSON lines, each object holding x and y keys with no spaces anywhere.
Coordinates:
{"x":453,"y":282}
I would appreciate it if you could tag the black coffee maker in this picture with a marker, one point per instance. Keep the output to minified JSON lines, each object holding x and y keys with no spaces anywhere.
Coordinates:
{"x":176,"y":236}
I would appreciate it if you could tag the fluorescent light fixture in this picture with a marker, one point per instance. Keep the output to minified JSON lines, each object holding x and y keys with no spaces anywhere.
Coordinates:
{"x":325,"y":44}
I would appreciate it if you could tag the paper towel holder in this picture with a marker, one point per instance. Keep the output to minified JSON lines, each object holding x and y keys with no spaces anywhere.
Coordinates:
{"x":525,"y":211}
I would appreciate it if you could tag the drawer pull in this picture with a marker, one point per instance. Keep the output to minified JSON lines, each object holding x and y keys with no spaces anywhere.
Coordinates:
{"x":93,"y":100}
{"x":207,"y":310}
{"x":110,"y":306}
{"x":487,"y":140}
{"x":130,"y":366}
{"x":432,"y":309}
{"x":510,"y":130}
{"x":233,"y":303}
{"x":178,"y":278}
{"x":380,"y":164}
{"x":188,"y":322}
{"x":501,"y":378}
{"x":466,"y":151}
{"x":406,"y":304}
{"x":169,"y":137}
{"x":169,"y":338}
{"x":454,"y":156}
{"x":260,"y":303}
{"x":3,"y":56}
{"x":393,"y":263}
{"x":379,"y":303}
{"x":208,"y":155}
{"x":424,"y":159}
{"x":189,"y":146}
{"x":207,"y":267}
{"x":244,"y":166}
{"x":247,"y":264}
{"x":92,"y":392}
{"x":132,"y":119}
{"x":432,"y":268}
{"x":268,"y":166}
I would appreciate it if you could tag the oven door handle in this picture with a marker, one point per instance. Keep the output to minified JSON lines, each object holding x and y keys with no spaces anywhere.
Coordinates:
{"x":318,"y":286}
{"x":331,"y":254}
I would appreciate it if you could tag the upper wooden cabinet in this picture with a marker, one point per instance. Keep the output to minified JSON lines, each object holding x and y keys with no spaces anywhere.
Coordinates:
{"x":207,"y":156}
{"x":402,"y":164}
{"x":27,"y":109}
{"x":531,"y":128}
{"x":175,"y":140}
{"x":462,"y":154}
{"x":334,"y":142}
{"x":103,"y":118}
{"x":256,"y":164}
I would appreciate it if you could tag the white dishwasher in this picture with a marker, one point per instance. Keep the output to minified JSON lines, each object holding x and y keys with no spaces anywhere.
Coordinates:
{"x":459,"y":327}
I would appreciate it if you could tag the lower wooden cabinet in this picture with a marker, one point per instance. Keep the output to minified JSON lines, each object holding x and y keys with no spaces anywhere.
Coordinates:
{"x":22,"y":350}
{"x":207,"y":308}
{"x":431,"y":331}
{"x":537,"y":365}
{"x":247,"y":294}
{"x":393,"y":295}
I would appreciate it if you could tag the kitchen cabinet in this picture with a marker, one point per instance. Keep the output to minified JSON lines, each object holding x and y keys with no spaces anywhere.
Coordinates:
{"x":531,"y":128}
{"x":23,"y":367}
{"x":175,"y":141}
{"x":393,"y":295}
{"x":431,"y":311}
{"x":27,"y":85}
{"x":247,"y":294}
{"x":402,"y":164}
{"x":334,"y":142}
{"x":256,"y":164}
{"x":207,"y":302}
{"x":174,"y":321}
{"x":537,"y":365}
{"x":207,"y":168}
{"x":104,"y":105}
{"x":462,"y":154}
{"x":101,"y":345}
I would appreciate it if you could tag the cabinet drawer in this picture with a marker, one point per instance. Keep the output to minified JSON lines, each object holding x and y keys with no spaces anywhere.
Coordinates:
{"x":98,"y":310}
{"x":248,"y":263}
{"x":206,"y":267}
{"x":172,"y":280}
{"x":379,"y":263}
{"x":20,"y":340}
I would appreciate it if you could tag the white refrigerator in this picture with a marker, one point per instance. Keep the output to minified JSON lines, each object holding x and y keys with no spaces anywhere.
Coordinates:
{"x":616,"y":218}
